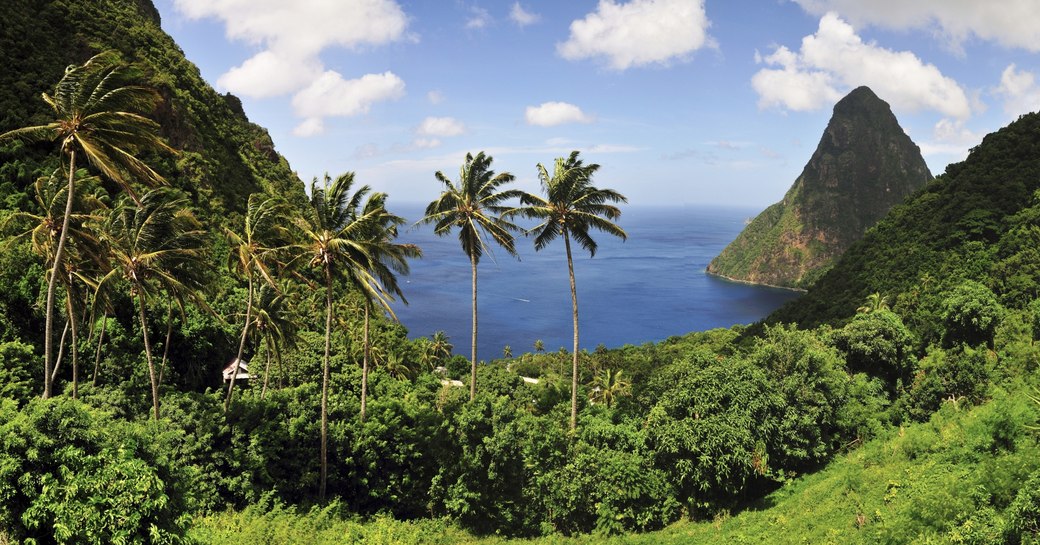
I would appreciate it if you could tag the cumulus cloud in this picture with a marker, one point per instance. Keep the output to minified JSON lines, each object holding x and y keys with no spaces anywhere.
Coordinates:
{"x":835,"y":59}
{"x":522,"y":17}
{"x":550,"y":114}
{"x":1011,"y":23}
{"x":292,"y":34}
{"x":331,"y":95}
{"x":1020,"y":91}
{"x":435,"y":97}
{"x":312,"y":126}
{"x":638,"y":33}
{"x":440,"y":126}
{"x":479,"y":18}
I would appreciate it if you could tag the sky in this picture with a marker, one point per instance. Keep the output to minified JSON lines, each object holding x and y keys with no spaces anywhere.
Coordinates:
{"x":718,"y":102}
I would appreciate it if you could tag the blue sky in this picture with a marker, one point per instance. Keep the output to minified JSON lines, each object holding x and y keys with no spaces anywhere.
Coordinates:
{"x":680,"y":101}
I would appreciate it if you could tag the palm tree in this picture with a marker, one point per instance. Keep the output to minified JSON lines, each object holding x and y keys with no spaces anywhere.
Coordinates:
{"x":474,"y":206}
{"x":572,"y":207}
{"x":388,"y":257}
{"x":98,"y":115}
{"x":337,"y":244}
{"x":276,"y":323}
{"x":155,"y":247}
{"x":45,"y":227}
{"x":609,"y":385}
{"x":253,"y":254}
{"x":440,"y":346}
{"x":875,"y":303}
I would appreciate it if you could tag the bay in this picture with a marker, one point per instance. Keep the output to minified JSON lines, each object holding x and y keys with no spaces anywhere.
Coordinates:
{"x":648,"y":288}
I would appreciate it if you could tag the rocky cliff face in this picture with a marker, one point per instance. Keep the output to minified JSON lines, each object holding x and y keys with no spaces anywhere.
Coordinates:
{"x":863,"y":166}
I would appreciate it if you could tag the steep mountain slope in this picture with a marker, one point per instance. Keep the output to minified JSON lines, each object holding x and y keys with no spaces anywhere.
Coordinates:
{"x":223,"y":156}
{"x":863,"y":165}
{"x":980,"y":220}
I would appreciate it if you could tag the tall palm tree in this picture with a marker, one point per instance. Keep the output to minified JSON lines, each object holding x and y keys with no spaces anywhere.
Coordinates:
{"x":83,"y":251}
{"x":571,"y":208}
{"x":336,"y":244}
{"x":155,"y":247}
{"x":473,"y":204}
{"x":254,"y":254}
{"x":97,"y":114}
{"x":388,"y":258}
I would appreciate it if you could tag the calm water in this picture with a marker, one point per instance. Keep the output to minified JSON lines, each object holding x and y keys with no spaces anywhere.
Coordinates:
{"x":646,"y":289}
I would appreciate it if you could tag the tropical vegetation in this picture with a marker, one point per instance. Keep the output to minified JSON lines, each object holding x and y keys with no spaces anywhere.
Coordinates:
{"x":894,"y":403}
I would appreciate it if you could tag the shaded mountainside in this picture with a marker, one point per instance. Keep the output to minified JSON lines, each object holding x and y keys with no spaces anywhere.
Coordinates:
{"x":223,"y":156}
{"x":980,"y":220}
{"x":863,"y":166}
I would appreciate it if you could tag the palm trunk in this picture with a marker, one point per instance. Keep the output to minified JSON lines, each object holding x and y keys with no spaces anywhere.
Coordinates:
{"x":61,"y":353}
{"x":48,"y":328}
{"x":75,"y":338}
{"x":166,"y":345}
{"x":281,"y":368}
{"x":241,"y":343}
{"x":473,"y":365}
{"x":148,"y":356}
{"x":267,"y":369}
{"x":364,"y":366}
{"x":97,"y":355}
{"x":325,"y":385}
{"x":574,"y":353}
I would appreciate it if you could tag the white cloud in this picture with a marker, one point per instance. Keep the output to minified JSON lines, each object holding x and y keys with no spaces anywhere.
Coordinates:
{"x":638,"y":33}
{"x":293,"y":34}
{"x":312,"y":126}
{"x":550,"y":114}
{"x":1011,"y":23}
{"x":1020,"y":91}
{"x":331,"y":95}
{"x":480,"y":18}
{"x":435,"y":97}
{"x":835,"y":59}
{"x":440,"y":126}
{"x":256,"y":77}
{"x":522,"y":17}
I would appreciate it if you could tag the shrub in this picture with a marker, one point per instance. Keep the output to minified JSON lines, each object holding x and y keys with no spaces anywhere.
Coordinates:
{"x":72,"y":474}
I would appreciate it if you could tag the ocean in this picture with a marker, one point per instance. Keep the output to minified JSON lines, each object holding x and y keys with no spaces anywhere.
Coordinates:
{"x":648,"y":288}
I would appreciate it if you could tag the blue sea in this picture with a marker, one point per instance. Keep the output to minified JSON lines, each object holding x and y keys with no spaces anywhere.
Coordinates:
{"x":648,"y":288}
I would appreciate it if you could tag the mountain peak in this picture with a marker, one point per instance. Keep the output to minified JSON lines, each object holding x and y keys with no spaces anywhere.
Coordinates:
{"x":863,"y":165}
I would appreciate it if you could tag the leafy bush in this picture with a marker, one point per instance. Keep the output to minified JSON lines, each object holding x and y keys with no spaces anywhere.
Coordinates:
{"x":958,"y":375}
{"x":971,"y":313}
{"x":71,"y":474}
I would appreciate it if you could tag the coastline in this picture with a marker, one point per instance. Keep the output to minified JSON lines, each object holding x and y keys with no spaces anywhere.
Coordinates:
{"x":750,"y":283}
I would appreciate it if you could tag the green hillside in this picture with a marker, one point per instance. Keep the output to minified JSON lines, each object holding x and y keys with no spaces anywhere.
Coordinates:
{"x":223,"y":157}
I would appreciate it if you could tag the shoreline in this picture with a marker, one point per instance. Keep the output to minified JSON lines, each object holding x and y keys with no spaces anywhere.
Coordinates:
{"x":750,"y":283}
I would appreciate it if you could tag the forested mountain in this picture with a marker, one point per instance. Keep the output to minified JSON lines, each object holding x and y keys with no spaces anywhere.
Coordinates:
{"x":976,"y":221}
{"x":223,"y":157}
{"x":863,"y":166}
